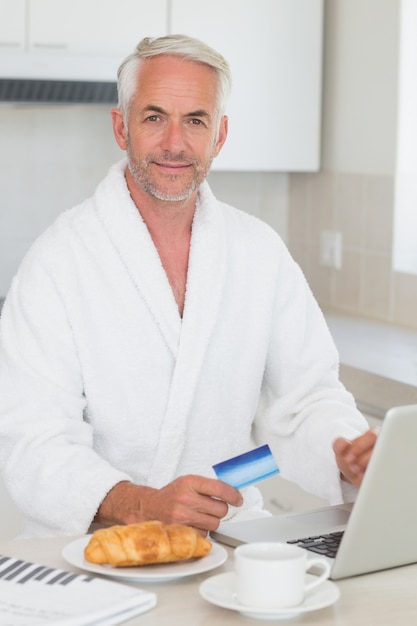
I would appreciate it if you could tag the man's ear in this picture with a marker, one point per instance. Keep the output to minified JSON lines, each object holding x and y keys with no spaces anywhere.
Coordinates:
{"x":223,"y":128}
{"x":119,"y":129}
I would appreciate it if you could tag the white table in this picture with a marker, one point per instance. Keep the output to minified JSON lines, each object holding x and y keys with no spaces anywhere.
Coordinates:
{"x":384,"y":598}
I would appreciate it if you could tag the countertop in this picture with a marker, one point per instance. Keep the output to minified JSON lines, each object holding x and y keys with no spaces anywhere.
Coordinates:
{"x":378,"y":361}
{"x":371,"y":600}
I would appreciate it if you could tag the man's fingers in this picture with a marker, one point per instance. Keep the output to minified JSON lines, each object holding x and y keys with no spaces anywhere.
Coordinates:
{"x":196,"y":501}
{"x":341,"y":446}
{"x":217,"y":489}
{"x":361,"y":449}
{"x":353,"y":456}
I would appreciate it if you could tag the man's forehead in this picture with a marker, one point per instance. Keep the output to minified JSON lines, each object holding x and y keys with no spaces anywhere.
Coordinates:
{"x":165,"y":81}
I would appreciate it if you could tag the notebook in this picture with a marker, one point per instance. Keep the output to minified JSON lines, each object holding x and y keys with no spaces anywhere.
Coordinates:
{"x":378,"y":531}
{"x":32,"y":594}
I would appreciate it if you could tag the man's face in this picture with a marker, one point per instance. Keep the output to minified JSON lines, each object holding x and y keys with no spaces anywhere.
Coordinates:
{"x":173,"y":132}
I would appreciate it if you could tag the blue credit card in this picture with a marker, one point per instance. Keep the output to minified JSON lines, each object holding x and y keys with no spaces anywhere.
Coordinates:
{"x":248,"y":468}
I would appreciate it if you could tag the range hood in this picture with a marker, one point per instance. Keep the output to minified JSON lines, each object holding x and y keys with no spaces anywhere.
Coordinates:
{"x":26,"y":90}
{"x":33,"y":78}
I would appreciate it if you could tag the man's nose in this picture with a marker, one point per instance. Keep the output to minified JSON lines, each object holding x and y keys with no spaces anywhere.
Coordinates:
{"x":173,"y":139}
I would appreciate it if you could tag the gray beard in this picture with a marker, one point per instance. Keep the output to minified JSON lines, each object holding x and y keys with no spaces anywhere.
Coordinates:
{"x":140,"y":173}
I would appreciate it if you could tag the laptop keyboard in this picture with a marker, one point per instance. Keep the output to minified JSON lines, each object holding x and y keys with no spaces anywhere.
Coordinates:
{"x":326,"y":545}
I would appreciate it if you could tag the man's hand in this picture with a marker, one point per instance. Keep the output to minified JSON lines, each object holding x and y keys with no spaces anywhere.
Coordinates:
{"x":352,"y":457}
{"x":191,"y":500}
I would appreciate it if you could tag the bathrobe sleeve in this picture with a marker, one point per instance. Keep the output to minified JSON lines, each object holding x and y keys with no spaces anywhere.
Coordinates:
{"x":304,"y":406}
{"x":43,"y":411}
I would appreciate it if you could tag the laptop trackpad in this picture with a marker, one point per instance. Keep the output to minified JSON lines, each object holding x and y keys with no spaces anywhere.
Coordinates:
{"x":283,"y":527}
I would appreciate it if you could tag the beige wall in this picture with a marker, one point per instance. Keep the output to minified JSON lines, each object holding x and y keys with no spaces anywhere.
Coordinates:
{"x":354,"y":192}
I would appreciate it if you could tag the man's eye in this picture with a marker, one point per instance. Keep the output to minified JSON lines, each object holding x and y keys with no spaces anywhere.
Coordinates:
{"x":195,"y":121}
{"x":153,"y":118}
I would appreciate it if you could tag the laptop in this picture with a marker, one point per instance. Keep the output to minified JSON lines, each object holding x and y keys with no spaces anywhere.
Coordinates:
{"x":377,"y":531}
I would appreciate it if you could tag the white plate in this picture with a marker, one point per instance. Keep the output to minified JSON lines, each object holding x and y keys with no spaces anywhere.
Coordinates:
{"x":73,"y":553}
{"x":220,"y":590}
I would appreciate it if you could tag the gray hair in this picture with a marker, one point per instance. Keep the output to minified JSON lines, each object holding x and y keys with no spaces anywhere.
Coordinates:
{"x":186,"y":48}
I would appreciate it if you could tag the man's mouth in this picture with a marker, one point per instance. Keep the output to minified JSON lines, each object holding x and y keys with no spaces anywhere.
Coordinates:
{"x":172,"y":166}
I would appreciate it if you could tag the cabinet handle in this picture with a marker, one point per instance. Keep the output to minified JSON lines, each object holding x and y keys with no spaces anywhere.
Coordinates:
{"x":11,"y":44}
{"x":50,"y":46}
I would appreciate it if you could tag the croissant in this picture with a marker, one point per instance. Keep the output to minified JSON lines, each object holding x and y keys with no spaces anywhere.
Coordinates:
{"x":145,"y":543}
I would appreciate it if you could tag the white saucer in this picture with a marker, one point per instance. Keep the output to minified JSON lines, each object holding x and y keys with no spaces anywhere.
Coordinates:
{"x":220,"y":590}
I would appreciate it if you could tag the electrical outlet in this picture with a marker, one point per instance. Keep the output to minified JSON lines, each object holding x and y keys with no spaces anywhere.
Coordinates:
{"x":331,"y":249}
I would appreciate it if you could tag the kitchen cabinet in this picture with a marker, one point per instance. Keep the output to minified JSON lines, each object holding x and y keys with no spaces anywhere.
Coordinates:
{"x":274,"y":48}
{"x":77,"y":40}
{"x":93,"y":27}
{"x":84,"y":27}
{"x":12,"y":25}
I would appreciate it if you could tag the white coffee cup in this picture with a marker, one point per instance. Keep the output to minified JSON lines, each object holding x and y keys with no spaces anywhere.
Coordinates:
{"x":272,"y":575}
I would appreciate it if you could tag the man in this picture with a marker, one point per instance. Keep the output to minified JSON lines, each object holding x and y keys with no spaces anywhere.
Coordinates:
{"x":153,"y":331}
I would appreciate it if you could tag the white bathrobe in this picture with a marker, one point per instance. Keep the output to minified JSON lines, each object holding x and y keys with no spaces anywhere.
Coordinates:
{"x":102,"y":381}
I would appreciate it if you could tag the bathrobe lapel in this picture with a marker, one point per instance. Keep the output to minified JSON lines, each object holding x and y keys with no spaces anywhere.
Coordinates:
{"x":133,"y":244}
{"x":205,"y":285}
{"x":186,"y":339}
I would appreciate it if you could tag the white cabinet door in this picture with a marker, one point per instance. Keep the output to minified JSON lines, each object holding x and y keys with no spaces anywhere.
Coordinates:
{"x":12,"y":26}
{"x":274,"y":48}
{"x":96,"y":27}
